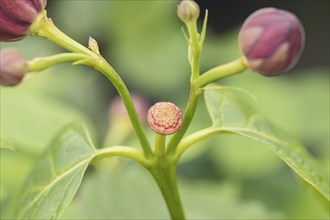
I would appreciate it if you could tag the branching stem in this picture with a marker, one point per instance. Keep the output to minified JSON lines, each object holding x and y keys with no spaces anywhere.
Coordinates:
{"x":44,"y":27}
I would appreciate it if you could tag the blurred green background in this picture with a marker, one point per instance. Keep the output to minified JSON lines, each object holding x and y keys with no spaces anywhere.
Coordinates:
{"x":225,"y":177}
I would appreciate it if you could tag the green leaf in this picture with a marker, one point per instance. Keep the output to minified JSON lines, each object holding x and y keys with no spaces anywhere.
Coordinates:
{"x":231,"y":114}
{"x":57,"y":175}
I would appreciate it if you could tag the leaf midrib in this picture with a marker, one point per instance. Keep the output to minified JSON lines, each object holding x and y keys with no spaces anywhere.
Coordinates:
{"x":52,"y":183}
{"x":323,"y":191}
{"x":272,"y":138}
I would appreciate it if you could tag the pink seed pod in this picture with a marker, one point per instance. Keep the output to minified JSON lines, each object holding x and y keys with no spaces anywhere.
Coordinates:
{"x":16,"y":17}
{"x":12,"y":67}
{"x":272,"y":41}
{"x":164,"y":118}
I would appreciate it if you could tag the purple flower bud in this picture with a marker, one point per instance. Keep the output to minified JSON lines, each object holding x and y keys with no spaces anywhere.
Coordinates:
{"x":13,"y":67}
{"x":272,"y":40}
{"x":164,"y":118}
{"x":16,"y":16}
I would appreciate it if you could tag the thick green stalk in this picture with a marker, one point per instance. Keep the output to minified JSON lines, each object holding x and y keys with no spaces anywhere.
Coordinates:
{"x":165,"y":176}
{"x":160,"y":145}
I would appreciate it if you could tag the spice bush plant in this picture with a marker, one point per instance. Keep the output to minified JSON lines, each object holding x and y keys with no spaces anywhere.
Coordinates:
{"x":271,"y":41}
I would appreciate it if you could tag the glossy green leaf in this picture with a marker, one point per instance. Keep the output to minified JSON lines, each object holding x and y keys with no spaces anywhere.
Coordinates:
{"x":231,"y":114}
{"x":57,"y":175}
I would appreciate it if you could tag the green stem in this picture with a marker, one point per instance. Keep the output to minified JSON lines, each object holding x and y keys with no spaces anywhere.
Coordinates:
{"x":193,"y":139}
{"x":194,"y":56}
{"x":160,"y":145}
{"x":44,"y":27}
{"x":41,"y":63}
{"x":165,"y":177}
{"x":189,"y":113}
{"x":234,"y":67}
{"x":125,"y":151}
{"x":103,"y":67}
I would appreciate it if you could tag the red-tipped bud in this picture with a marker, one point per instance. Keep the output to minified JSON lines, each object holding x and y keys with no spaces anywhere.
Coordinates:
{"x":164,"y":118}
{"x":16,"y":16}
{"x":188,"y":10}
{"x":272,"y":40}
{"x":12,"y":67}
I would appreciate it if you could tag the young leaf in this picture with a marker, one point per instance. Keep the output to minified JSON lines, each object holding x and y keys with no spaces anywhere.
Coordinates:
{"x":57,"y":175}
{"x":233,"y":115}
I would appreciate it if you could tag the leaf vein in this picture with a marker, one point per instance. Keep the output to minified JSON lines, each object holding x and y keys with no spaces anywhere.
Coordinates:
{"x":52,"y":183}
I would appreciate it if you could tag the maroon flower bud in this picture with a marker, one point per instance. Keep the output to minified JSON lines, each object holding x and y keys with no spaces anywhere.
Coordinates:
{"x":272,"y":40}
{"x":164,"y":118}
{"x":16,"y":16}
{"x":13,"y":67}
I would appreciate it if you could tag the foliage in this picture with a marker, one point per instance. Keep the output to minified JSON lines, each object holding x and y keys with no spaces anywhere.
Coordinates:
{"x":227,"y":178}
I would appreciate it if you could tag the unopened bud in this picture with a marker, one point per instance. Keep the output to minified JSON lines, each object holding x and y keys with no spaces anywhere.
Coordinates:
{"x":92,"y":44}
{"x":12,"y":67}
{"x":16,"y":17}
{"x":272,"y":40}
{"x":188,"y":10}
{"x":164,"y":118}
